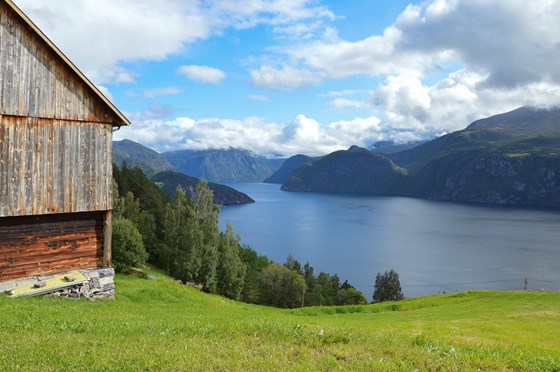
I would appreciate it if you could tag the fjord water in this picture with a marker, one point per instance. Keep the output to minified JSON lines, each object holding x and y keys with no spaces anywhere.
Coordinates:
{"x":434,"y":246}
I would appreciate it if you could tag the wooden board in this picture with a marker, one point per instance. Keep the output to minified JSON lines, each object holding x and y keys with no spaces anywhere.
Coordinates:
{"x":54,"y":166}
{"x":36,"y":81}
{"x":45,"y":244}
{"x":50,"y":285}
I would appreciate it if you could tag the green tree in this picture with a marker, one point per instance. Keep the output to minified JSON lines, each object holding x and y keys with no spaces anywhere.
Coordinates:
{"x":182,"y":257}
{"x":230,"y":270}
{"x":207,"y":214}
{"x":138,"y":199}
{"x":281,"y":287}
{"x":387,"y":287}
{"x":192,"y":236}
{"x":128,"y":248}
{"x":293,"y":264}
{"x":255,"y":264}
{"x":151,"y":198}
{"x":348,"y":295}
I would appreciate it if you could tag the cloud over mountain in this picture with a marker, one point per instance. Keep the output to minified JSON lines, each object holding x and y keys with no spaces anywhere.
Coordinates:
{"x":433,"y":68}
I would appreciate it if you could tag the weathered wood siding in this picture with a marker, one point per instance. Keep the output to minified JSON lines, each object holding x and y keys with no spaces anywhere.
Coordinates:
{"x":54,"y":166}
{"x":36,"y":82}
{"x":47,"y":244}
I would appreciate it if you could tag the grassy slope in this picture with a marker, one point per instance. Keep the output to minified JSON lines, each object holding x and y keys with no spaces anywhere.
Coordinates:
{"x":158,"y":324}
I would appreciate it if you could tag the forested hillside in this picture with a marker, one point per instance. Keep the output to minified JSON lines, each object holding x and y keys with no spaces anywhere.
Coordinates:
{"x":223,"y":195}
{"x":181,"y":235}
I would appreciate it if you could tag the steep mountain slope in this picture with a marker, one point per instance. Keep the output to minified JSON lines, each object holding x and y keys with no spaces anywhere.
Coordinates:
{"x":286,"y":170}
{"x":511,"y":158}
{"x":223,"y":195}
{"x":231,"y":165}
{"x":525,"y":131}
{"x":390,"y":147}
{"x":355,"y":170}
{"x":137,"y":155}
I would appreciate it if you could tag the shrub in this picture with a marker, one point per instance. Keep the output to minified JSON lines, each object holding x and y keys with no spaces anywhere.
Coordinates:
{"x":128,"y":248}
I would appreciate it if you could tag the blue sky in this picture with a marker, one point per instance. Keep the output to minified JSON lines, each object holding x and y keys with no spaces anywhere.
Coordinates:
{"x":281,"y":77}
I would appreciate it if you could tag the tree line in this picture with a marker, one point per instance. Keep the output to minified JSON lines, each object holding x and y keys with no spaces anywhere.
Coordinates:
{"x":182,"y":237}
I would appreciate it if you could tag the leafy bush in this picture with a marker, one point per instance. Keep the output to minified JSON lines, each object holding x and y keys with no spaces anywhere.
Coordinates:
{"x":281,"y":287}
{"x":128,"y":248}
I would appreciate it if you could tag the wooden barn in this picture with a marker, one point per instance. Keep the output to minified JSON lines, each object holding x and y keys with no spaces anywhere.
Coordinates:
{"x":55,"y":157}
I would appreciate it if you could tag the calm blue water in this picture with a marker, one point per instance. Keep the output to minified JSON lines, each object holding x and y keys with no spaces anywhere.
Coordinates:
{"x":434,"y":246}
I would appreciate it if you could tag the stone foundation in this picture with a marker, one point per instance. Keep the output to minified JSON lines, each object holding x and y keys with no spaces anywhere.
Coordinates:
{"x":99,"y":284}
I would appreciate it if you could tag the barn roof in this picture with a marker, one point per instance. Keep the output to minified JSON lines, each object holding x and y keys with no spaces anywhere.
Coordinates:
{"x":110,"y":105}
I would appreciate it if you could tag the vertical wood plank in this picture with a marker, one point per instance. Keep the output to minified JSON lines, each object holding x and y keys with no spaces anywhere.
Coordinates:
{"x":107,"y":260}
{"x":3,"y":163}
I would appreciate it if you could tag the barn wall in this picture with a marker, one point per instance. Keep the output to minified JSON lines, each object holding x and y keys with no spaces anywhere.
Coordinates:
{"x":54,"y":166}
{"x":36,"y":82}
{"x":52,"y":243}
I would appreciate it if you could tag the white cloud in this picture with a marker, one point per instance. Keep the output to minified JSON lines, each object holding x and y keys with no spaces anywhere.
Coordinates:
{"x":481,"y":58}
{"x":203,"y":74}
{"x":299,"y":31}
{"x":116,"y":31}
{"x":411,"y":111}
{"x":442,"y":63}
{"x":106,"y":92}
{"x":301,"y":135}
{"x":454,"y":102}
{"x":344,"y":102}
{"x":141,"y":30}
{"x":271,"y":12}
{"x":161,"y":91}
{"x":404,"y":95}
{"x":340,"y":93}
{"x":513,"y":41}
{"x":258,"y":98}
{"x":500,"y":38}
{"x":284,"y":78}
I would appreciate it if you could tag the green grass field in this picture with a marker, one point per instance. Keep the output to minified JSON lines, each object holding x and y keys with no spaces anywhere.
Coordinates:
{"x":161,"y":325}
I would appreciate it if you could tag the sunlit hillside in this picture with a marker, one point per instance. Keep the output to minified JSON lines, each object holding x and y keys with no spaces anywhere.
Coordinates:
{"x":161,"y":325}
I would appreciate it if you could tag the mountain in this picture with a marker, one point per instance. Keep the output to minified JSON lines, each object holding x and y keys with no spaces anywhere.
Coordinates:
{"x":526,"y":131}
{"x":355,"y":170}
{"x":390,"y":147}
{"x":273,"y":163}
{"x":223,"y":195}
{"x":511,"y":158}
{"x":137,"y":155}
{"x":287,"y":168}
{"x":222,"y":166}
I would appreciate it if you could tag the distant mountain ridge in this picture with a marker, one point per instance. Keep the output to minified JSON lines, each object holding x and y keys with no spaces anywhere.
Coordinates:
{"x":287,"y":168}
{"x":223,"y":166}
{"x":390,"y":147}
{"x":223,"y":195}
{"x":511,"y":158}
{"x":137,"y":155}
{"x":356,"y":170}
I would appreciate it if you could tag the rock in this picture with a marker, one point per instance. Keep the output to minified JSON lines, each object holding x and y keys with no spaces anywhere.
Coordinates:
{"x":105,"y":272}
{"x":39,"y":285}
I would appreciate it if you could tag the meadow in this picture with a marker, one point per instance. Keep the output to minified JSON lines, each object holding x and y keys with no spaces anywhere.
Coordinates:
{"x":159,"y":324}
